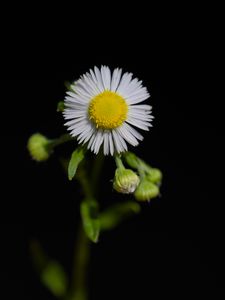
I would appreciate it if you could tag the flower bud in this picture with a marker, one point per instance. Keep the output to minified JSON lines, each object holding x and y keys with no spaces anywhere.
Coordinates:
{"x":37,"y":147}
{"x":146,"y":190}
{"x":154,"y":175}
{"x":125,"y":181}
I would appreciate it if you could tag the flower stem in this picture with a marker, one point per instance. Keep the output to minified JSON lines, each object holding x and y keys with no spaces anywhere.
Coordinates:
{"x":119,"y":162}
{"x":81,"y":260}
{"x":61,"y":140}
{"x":82,"y":246}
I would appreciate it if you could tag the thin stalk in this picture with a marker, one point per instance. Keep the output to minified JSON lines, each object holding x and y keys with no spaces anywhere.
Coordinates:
{"x":79,"y":289}
{"x":61,"y":140}
{"x":119,"y":162}
{"x":81,"y":261}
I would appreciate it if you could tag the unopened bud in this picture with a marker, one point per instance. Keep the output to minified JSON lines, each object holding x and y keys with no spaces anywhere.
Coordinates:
{"x":37,"y":147}
{"x":146,"y":190}
{"x":125,"y":181}
{"x":154,"y":175}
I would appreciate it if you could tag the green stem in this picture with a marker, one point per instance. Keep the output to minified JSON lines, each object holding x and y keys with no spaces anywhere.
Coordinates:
{"x":86,"y":186}
{"x":81,"y":261}
{"x":119,"y":162}
{"x":82,"y":247}
{"x":61,"y":140}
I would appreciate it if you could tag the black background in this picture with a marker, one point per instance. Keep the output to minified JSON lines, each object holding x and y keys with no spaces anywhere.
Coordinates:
{"x":176,"y":245}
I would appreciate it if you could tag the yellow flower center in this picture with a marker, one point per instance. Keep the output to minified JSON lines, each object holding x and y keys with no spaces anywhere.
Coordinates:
{"x":108,"y":110}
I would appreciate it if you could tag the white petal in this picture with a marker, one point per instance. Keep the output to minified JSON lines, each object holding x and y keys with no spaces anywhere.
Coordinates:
{"x":115,"y":79}
{"x":93,"y":77}
{"x":111,"y":146}
{"x":86,"y":134}
{"x":132,"y":87}
{"x":106,"y":143}
{"x":98,"y":142}
{"x":92,"y":139}
{"x":137,"y":99}
{"x":116,"y":141}
{"x":68,"y":115}
{"x":99,"y":79}
{"x":106,"y":77}
{"x":127,"y":135}
{"x":122,"y":141}
{"x":89,"y":80}
{"x":140,"y":116}
{"x":78,"y":97}
{"x":135,"y":133}
{"x":75,"y":113}
{"x":124,"y":82}
{"x":84,"y":83}
{"x":138,"y":123}
{"x":77,"y":129}
{"x":71,"y":102}
{"x":75,"y":121}
{"x":144,"y":107}
{"x":82,"y":91}
{"x":138,"y":91}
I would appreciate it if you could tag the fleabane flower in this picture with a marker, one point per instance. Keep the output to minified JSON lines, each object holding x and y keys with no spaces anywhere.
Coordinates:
{"x":103,"y":108}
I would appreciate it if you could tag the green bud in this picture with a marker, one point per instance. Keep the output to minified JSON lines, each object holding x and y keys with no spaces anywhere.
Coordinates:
{"x":38,"y":147}
{"x":154,"y":175}
{"x":146,"y":190}
{"x":125,"y":181}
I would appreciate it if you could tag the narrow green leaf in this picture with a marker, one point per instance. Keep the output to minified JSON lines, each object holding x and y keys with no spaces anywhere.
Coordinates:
{"x":49,"y":271}
{"x":76,"y":158}
{"x":54,"y":278}
{"x":114,"y":215}
{"x":90,"y":221}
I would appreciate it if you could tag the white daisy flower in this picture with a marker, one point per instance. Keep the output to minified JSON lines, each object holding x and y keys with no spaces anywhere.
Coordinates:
{"x":103,"y":108}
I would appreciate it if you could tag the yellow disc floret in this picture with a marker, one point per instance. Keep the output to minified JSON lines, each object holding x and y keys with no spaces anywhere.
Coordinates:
{"x":108,"y":110}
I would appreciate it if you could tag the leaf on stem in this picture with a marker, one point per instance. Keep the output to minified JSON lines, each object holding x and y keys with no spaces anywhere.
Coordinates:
{"x":76,"y":158}
{"x":51,"y":273}
{"x":54,"y":278}
{"x":90,"y":219}
{"x":114,"y":215}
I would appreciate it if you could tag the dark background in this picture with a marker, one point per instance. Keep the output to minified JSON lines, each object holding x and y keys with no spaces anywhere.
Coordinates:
{"x":176,"y":245}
